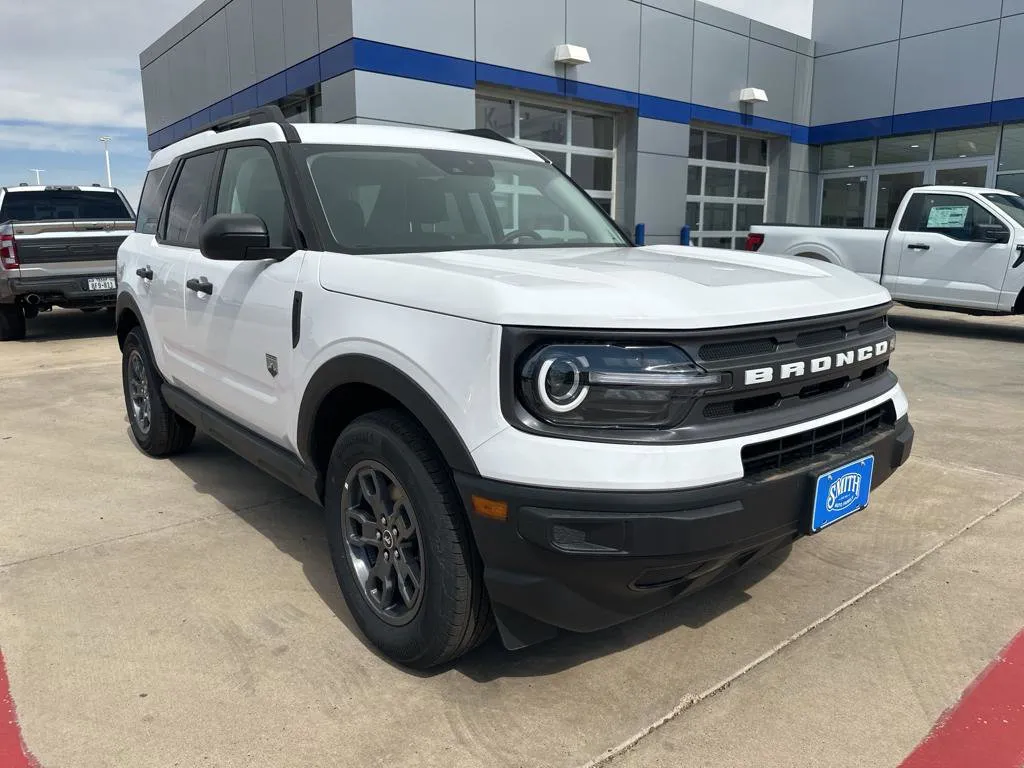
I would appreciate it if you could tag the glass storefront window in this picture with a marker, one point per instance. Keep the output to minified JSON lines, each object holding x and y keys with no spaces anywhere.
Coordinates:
{"x":693,"y":215}
{"x":497,"y":115}
{"x":596,"y":131}
{"x":719,"y":182}
{"x":1011,"y":182}
{"x":850,"y":154}
{"x":962,"y":177}
{"x":721,"y":147}
{"x":1011,"y":153}
{"x":904,"y":149}
{"x":592,"y":172}
{"x":718,"y":217}
{"x":892,"y":188}
{"x":752,"y":185}
{"x":693,"y":179}
{"x":753,"y":151}
{"x":971,"y":142}
{"x":843,"y":201}
{"x":748,"y":215}
{"x":696,"y":144}
{"x":543,"y":124}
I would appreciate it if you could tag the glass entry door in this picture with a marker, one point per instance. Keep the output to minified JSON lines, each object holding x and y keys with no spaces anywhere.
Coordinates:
{"x":890,"y":189}
{"x":976,"y":174}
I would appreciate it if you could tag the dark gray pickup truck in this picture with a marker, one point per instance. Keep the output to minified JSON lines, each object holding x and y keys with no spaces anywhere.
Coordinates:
{"x":58,"y":248}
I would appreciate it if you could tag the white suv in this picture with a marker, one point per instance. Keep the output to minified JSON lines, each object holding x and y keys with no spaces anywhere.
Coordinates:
{"x":511,"y":414}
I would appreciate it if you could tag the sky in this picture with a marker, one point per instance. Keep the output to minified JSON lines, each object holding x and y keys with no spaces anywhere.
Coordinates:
{"x":70,"y":74}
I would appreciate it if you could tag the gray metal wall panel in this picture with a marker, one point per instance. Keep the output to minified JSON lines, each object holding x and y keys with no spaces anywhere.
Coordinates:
{"x":178,"y":72}
{"x":1010,"y":61}
{"x":666,"y":56}
{"x":802,"y":90}
{"x":680,"y":7}
{"x":717,"y":85}
{"x":338,"y":96}
{"x":660,"y":137}
{"x":268,"y":36}
{"x":520,"y":35}
{"x":779,"y":37}
{"x":661,"y":193}
{"x":854,"y":85}
{"x":214,"y":39}
{"x":610,"y":30}
{"x":335,"y":22}
{"x":421,"y":25}
{"x":712,"y":14}
{"x":804,"y":158}
{"x":840,"y":25}
{"x":162,"y":44}
{"x":241,"y":52}
{"x":301,"y":38}
{"x":156,"y":93}
{"x":417,"y":102}
{"x":947,"y":68}
{"x":1012,"y":7}
{"x":773,"y":69}
{"x":801,"y":198}
{"x":921,"y":16}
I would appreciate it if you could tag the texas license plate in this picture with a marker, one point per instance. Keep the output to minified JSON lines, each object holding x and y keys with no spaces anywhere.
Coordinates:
{"x":842,"y":492}
{"x":102,"y":284}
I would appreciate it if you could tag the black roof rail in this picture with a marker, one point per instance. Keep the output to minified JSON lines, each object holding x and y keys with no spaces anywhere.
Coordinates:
{"x":485,"y":133}
{"x":259,"y":116}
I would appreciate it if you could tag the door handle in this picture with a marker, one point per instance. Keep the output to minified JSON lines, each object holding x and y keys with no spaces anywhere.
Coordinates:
{"x":146,"y":272}
{"x":200,"y":285}
{"x":919,"y":247}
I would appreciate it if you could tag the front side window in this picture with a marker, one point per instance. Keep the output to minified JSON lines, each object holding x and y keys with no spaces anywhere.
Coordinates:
{"x":186,"y":212}
{"x":954,"y":216}
{"x":1011,"y":205}
{"x":151,"y":202}
{"x":250,"y":184}
{"x":388,"y":200}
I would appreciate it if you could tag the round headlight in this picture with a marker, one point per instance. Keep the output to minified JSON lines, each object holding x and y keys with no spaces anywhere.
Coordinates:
{"x":561,"y":387}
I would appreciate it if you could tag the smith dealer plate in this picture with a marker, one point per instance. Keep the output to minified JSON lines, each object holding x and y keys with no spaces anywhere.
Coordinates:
{"x":842,"y":492}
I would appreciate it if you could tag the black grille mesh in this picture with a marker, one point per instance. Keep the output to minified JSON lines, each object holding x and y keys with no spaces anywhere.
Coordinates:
{"x":730,"y":349}
{"x":787,"y":452}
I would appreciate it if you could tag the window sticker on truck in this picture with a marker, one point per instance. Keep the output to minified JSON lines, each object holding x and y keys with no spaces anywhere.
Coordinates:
{"x":948,"y":216}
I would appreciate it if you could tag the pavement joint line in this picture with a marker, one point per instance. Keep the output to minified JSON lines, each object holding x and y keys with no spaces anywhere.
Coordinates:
{"x":116,"y":539}
{"x":58,"y":369}
{"x":691,"y":701}
{"x":966,"y":467}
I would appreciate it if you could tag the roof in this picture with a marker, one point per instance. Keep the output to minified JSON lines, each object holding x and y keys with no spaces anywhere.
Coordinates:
{"x":350,"y":135}
{"x":962,"y":189}
{"x":45,"y":187}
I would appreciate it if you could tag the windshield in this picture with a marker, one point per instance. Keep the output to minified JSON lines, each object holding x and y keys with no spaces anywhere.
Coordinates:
{"x":1011,"y":205}
{"x":385,"y":200}
{"x":63,"y":205}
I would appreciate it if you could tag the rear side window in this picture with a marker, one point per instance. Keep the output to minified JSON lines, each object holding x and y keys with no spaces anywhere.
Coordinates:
{"x":950,"y":215}
{"x":151,"y":202}
{"x":64,"y":205}
{"x":186,"y":211}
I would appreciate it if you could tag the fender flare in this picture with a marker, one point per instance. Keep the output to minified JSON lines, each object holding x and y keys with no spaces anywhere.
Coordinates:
{"x":363,"y":369}
{"x":126,"y":302}
{"x":815,"y":251}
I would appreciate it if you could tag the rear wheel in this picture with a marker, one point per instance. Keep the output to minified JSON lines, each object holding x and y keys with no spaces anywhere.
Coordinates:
{"x":401,"y":544}
{"x":157,"y":429}
{"x":12,"y":323}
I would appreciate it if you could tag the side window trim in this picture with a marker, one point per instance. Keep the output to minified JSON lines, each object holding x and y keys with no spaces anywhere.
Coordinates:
{"x":161,"y":191}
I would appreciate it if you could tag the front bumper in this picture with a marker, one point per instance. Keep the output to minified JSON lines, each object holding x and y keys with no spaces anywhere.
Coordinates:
{"x":64,"y":291}
{"x":586,"y":560}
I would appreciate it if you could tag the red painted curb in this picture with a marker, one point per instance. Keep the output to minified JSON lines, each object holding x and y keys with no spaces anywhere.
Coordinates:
{"x":13,"y":753}
{"x":986,"y":727}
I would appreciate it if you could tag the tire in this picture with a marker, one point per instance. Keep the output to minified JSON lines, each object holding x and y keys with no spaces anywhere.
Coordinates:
{"x":451,"y":613}
{"x":162,"y":432}
{"x":12,"y":323}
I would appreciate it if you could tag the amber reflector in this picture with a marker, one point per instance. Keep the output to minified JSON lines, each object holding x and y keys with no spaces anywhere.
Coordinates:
{"x":495,"y":510}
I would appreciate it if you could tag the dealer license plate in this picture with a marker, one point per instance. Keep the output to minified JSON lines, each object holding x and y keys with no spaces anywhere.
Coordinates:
{"x":102,"y":284}
{"x":842,"y":492}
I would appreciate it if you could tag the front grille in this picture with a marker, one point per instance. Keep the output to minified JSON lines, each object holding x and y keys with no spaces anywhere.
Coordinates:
{"x":792,"y":450}
{"x":732,"y":349}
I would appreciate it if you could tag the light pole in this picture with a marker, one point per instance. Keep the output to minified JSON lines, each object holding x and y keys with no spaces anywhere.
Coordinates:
{"x":106,"y":154}
{"x":37,"y":171}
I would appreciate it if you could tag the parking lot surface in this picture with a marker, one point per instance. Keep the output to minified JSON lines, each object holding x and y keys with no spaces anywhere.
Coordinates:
{"x":184,"y":612}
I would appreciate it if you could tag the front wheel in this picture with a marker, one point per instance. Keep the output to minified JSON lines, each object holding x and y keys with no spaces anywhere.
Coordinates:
{"x":401,"y":544}
{"x":157,"y":429}
{"x":12,"y":323}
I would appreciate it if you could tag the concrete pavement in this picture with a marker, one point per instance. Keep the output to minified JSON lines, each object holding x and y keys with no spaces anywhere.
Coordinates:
{"x":184,"y":612}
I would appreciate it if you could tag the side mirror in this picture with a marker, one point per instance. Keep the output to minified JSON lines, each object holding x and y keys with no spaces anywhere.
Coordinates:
{"x":991,"y":233}
{"x":230,"y":236}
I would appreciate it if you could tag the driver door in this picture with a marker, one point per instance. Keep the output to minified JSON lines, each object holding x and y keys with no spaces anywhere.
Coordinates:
{"x":946,"y":258}
{"x":240,"y":325}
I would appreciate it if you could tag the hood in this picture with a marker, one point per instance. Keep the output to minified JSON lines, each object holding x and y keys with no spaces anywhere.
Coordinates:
{"x":654,"y":287}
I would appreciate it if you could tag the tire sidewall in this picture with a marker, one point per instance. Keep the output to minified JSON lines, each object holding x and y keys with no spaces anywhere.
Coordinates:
{"x":136,"y":343}
{"x":429,"y":628}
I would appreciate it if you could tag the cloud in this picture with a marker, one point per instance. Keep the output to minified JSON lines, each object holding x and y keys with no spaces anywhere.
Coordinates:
{"x":44,"y":137}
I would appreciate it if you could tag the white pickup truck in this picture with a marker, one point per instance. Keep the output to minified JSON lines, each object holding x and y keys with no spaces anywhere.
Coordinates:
{"x":958,"y":248}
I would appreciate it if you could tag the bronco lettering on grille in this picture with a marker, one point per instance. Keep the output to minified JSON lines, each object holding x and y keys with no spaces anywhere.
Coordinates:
{"x":800,"y":368}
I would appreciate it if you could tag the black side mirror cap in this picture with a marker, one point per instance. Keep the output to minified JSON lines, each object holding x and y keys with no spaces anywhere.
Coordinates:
{"x":992,"y":233}
{"x":230,"y":236}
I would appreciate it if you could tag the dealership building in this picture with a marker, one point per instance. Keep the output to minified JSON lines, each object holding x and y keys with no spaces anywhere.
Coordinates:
{"x":668,"y":112}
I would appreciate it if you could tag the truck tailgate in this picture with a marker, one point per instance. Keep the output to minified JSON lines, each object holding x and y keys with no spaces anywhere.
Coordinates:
{"x":57,"y":249}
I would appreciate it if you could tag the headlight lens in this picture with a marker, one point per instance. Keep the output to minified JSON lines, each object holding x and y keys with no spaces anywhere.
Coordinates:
{"x":608,"y":385}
